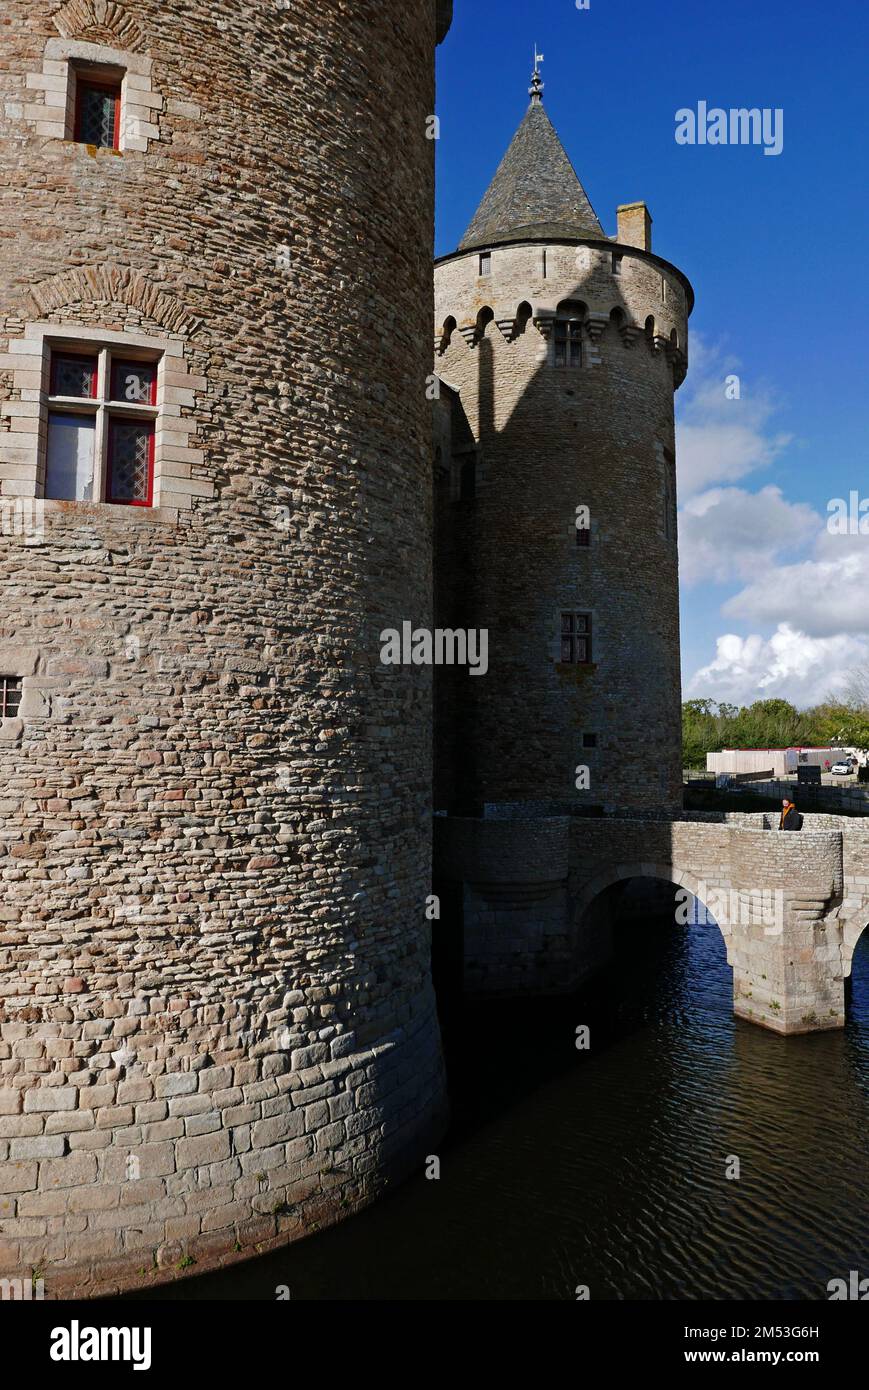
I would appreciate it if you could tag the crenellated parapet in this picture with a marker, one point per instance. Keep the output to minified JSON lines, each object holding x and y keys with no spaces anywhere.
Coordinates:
{"x":517,"y":288}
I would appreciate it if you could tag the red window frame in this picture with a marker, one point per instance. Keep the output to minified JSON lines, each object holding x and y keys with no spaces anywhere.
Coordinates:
{"x":114,"y":421}
{"x":83,"y":83}
{"x":119,"y":365}
{"x":59,"y":355}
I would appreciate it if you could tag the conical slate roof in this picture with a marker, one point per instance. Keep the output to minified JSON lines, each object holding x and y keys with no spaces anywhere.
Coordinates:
{"x":535,"y":192}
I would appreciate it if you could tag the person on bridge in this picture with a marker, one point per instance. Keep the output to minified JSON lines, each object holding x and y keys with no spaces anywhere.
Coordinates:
{"x":790,"y":817}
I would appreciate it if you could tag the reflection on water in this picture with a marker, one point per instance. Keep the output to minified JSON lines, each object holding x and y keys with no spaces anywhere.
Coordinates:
{"x":606,"y":1168}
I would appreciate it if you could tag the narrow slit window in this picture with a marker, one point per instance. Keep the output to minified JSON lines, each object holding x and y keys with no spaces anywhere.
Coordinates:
{"x":583,"y":537}
{"x":98,"y":113}
{"x":617,"y":264}
{"x":10,"y":696}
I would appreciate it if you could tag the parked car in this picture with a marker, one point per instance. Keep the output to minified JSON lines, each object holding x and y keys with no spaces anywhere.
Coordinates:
{"x":841,"y":769}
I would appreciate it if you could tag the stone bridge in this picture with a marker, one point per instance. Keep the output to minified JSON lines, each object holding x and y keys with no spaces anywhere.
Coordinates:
{"x":537,"y":892}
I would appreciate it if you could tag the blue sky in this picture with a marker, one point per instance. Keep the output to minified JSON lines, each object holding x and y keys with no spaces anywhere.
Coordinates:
{"x":773,"y":604}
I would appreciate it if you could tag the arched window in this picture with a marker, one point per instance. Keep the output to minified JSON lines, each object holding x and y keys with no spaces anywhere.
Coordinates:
{"x":447,"y":332}
{"x":523,"y":315}
{"x":484,"y":318}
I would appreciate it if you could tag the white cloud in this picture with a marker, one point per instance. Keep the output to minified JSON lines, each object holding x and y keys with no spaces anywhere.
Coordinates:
{"x":720,"y":440}
{"x":824,"y":597}
{"x":789,"y":665}
{"x":807,"y":617}
{"x":728,"y":533}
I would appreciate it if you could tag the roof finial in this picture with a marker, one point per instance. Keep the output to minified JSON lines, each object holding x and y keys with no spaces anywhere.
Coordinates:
{"x":535,"y":91}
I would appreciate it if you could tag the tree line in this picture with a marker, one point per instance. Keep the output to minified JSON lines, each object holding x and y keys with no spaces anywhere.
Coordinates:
{"x":710,"y":725}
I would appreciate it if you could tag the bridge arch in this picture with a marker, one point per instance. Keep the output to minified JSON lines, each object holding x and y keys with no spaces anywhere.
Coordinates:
{"x":852,"y":930}
{"x":675,"y":874}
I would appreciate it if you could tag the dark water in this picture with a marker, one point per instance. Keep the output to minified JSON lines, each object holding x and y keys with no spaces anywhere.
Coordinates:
{"x":606,"y":1168}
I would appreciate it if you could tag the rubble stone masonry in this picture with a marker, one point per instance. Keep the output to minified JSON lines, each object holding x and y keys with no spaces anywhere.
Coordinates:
{"x":217,"y":1024}
{"x":598,"y":435}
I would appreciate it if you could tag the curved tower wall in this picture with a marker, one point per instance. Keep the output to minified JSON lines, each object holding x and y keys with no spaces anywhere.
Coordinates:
{"x":217,"y":1026}
{"x":550,"y":439}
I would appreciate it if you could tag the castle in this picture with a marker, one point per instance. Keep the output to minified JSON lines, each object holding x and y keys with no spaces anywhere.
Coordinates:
{"x":217,"y":1021}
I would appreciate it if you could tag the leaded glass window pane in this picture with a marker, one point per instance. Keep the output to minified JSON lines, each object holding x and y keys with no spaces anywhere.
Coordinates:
{"x":97,"y":115}
{"x":131,"y":458}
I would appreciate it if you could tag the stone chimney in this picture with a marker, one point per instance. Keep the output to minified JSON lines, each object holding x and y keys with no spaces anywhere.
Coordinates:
{"x":634,"y":225}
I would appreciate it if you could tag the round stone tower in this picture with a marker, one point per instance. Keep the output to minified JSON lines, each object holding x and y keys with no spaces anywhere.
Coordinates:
{"x":559,"y":350}
{"x":217,"y":1025}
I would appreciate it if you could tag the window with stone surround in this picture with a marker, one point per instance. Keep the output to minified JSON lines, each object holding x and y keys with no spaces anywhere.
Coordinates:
{"x":92,"y":94}
{"x":73,"y":388}
{"x":102,"y":414}
{"x":486,"y":263}
{"x":576,"y":639}
{"x":10,"y":696}
{"x":567,"y":333}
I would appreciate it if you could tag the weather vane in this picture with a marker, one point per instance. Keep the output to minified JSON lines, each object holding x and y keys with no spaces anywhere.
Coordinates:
{"x":535,"y":91}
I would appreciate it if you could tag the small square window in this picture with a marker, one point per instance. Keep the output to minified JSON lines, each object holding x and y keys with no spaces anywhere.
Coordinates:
{"x":10,"y":696}
{"x":130,"y":462}
{"x":73,"y":375}
{"x":135,"y":382}
{"x":583,"y":536}
{"x":98,"y":113}
{"x":589,"y":740}
{"x":486,"y":263}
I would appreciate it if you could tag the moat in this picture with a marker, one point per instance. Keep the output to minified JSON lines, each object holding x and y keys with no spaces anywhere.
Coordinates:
{"x":606,"y":1168}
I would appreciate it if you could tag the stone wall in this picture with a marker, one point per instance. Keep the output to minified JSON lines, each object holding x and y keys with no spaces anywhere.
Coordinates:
{"x":217,"y":1027}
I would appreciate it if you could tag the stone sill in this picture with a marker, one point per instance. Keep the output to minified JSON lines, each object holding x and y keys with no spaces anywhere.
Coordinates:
{"x":109,"y":511}
{"x":94,"y":151}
